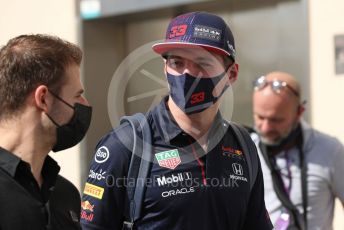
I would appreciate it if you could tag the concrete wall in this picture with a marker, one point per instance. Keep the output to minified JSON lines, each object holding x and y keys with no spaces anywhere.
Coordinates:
{"x":326,"y":20}
{"x":56,"y":17}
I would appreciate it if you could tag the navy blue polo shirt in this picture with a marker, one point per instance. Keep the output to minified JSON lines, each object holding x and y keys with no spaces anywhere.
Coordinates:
{"x":187,"y":188}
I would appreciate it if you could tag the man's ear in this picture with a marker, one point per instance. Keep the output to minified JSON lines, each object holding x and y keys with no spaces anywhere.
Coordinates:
{"x":233,"y":72}
{"x":42,"y":98}
{"x":300,"y":110}
{"x":165,"y":66}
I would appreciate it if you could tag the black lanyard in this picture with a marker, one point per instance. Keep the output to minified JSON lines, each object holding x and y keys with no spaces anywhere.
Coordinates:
{"x":304,"y":186}
{"x":279,"y":185}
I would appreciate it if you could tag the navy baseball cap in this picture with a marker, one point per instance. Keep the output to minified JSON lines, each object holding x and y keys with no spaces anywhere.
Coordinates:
{"x":199,"y":29}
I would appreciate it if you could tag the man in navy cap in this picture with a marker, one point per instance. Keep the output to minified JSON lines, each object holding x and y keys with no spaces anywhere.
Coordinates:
{"x":199,"y":177}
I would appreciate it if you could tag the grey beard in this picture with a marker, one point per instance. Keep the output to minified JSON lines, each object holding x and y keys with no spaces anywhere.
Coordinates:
{"x":272,"y":143}
{"x":267,"y":142}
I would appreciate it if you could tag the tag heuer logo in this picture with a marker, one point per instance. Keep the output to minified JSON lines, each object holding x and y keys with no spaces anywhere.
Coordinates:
{"x":168,"y":159}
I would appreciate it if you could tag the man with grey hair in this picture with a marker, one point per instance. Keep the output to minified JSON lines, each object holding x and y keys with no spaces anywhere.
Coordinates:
{"x":302,"y":167}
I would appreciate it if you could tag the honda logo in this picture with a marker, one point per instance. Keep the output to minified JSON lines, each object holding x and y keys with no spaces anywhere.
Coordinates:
{"x":237,"y":169}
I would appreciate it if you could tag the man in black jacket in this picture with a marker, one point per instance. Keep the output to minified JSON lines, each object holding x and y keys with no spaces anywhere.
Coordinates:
{"x":41,"y":109}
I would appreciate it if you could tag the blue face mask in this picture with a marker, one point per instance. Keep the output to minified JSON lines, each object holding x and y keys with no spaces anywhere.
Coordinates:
{"x":193,"y":94}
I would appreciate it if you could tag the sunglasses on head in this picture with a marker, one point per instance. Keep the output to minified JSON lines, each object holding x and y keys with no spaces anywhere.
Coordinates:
{"x":276,"y":85}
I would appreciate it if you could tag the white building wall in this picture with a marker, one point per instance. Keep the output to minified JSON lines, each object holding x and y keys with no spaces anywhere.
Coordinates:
{"x":326,"y":20}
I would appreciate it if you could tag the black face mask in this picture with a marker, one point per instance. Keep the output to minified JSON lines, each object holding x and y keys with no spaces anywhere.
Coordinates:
{"x":70,"y":134}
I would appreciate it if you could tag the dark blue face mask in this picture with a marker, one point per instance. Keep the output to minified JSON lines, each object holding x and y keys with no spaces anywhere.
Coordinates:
{"x":194,"y":94}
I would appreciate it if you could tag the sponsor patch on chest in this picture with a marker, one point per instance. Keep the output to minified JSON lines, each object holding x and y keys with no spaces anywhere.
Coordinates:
{"x":168,"y":159}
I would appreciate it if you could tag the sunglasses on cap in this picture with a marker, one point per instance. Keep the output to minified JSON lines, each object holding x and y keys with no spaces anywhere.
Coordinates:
{"x":276,"y":85}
